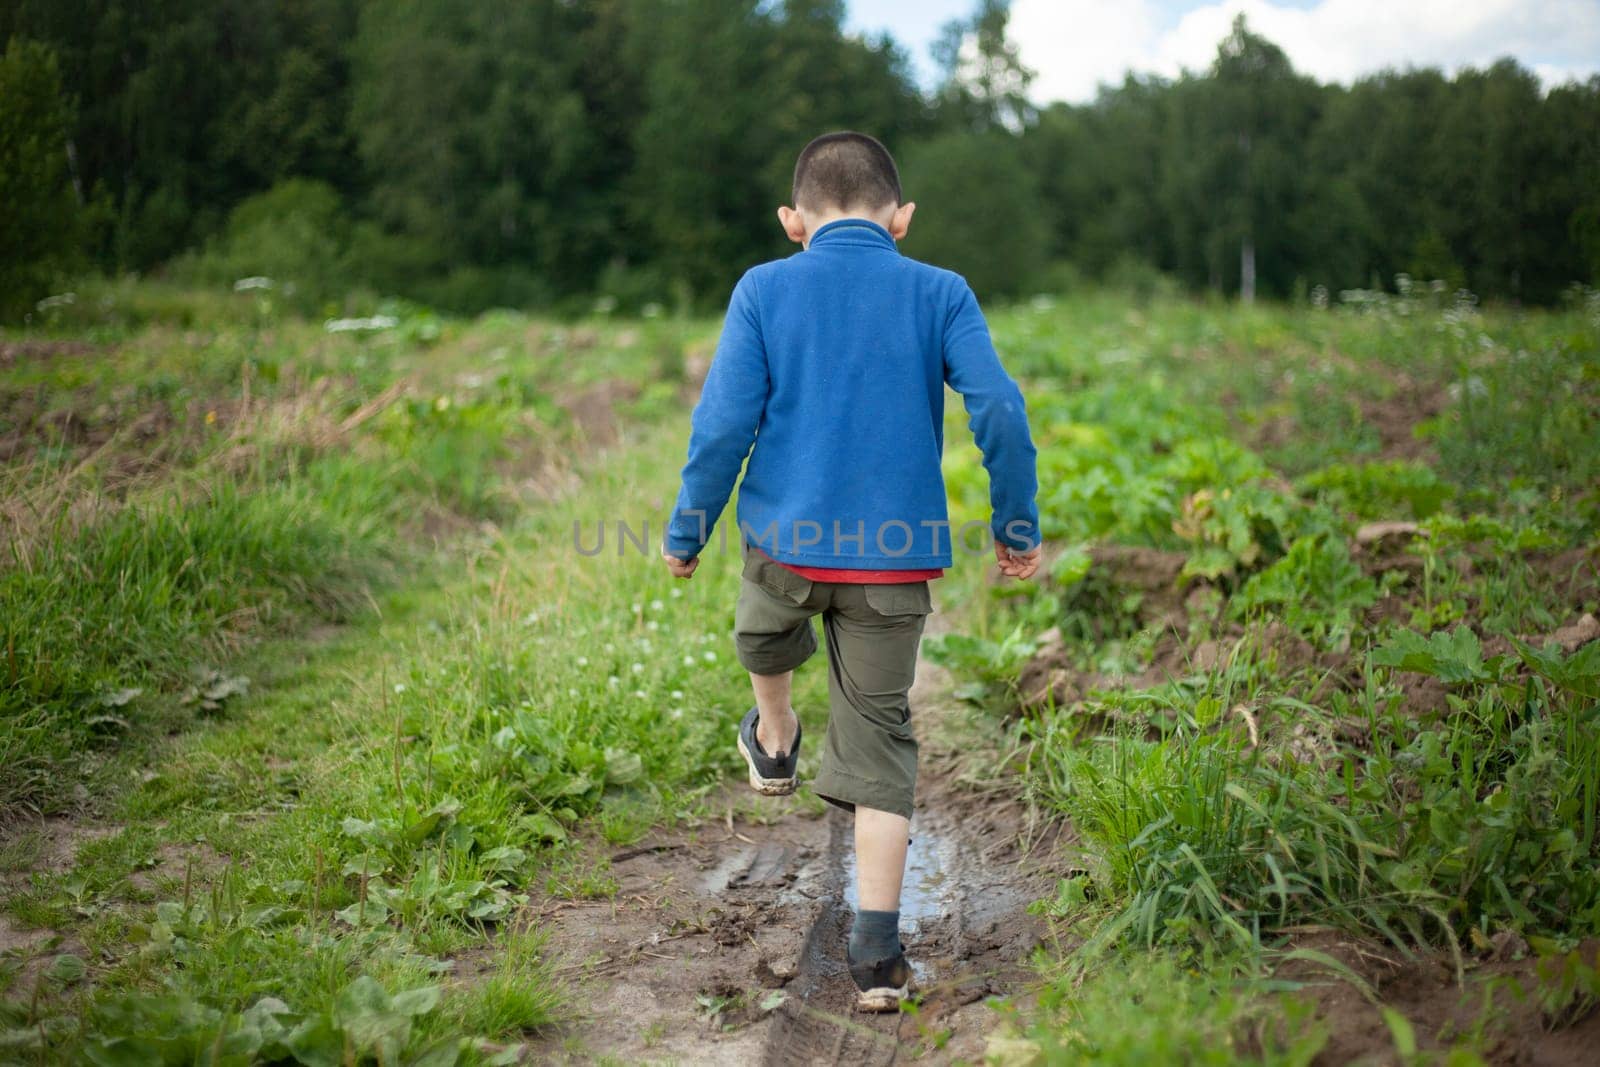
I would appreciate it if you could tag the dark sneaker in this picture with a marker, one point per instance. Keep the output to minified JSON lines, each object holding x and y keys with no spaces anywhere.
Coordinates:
{"x":882,"y":984}
{"x":769,"y":776}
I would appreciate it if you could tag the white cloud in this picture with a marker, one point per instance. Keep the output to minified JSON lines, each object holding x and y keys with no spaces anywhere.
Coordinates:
{"x":1075,"y":45}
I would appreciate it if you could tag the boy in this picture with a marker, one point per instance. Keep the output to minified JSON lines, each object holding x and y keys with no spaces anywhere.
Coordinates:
{"x":833,"y":363}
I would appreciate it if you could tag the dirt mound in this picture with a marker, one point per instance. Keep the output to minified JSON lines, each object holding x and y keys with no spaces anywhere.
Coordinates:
{"x":22,"y":350}
{"x":1151,"y":581}
{"x":1376,"y":535}
{"x":1049,"y":679}
{"x":1425,"y":694}
{"x":1574,"y":573}
{"x":1395,"y":418}
{"x":1144,"y":583}
{"x":594,"y":410}
{"x":1273,"y":643}
{"x":1154,"y":574}
{"x":1392,"y":417}
{"x":1499,"y":1001}
{"x":1567,"y":638}
{"x":1381,"y":547}
{"x":45,"y":846}
{"x":1571,"y":638}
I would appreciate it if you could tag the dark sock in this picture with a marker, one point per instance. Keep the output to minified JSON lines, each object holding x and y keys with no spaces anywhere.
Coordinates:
{"x":875,"y":936}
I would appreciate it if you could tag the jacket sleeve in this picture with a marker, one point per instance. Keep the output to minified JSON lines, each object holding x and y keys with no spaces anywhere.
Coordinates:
{"x":723,"y":426}
{"x":998,"y":420}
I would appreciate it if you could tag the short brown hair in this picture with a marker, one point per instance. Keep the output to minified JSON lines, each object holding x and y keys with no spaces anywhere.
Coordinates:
{"x":845,"y":170}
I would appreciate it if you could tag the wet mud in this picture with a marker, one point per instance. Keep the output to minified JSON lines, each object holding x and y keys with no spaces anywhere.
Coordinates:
{"x":725,"y":943}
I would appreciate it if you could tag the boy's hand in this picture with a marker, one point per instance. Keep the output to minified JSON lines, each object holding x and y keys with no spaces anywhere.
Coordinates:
{"x":1015,"y":564}
{"x":680,"y":568}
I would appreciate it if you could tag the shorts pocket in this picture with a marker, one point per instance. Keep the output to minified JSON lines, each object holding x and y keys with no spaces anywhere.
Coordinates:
{"x":777,"y":580}
{"x":908,"y":598}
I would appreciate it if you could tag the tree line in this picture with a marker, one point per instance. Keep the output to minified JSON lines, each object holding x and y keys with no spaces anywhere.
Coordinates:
{"x":541,"y":152}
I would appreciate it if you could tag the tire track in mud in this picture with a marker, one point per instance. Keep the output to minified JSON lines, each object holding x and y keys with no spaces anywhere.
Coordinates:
{"x":725,"y":944}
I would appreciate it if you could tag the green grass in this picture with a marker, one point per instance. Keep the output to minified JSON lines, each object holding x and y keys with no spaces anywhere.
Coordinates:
{"x":178,"y":496}
{"x":1152,"y":1009}
{"x":1292,"y":784}
{"x":329,"y":669}
{"x":1429,"y":833}
{"x":346,"y":821}
{"x":158,"y":589}
{"x":381,"y":802}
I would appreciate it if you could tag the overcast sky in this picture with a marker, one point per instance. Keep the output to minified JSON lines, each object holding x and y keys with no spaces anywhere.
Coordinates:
{"x":1074,"y":45}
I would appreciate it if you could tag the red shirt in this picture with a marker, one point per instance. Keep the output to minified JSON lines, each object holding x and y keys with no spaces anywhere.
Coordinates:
{"x":855,"y":576}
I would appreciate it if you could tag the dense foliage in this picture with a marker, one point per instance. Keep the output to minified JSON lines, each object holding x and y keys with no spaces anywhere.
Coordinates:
{"x":1483,"y":180}
{"x":35,"y":229}
{"x":500,"y":152}
{"x":1318,"y":644}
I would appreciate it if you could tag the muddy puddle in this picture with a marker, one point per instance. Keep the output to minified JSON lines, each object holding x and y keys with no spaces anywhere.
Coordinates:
{"x":725,"y":944}
{"x":930,"y":891}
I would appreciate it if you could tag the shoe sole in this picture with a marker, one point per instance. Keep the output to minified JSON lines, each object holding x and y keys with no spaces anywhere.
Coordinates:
{"x":767,"y":787}
{"x":882,"y":999}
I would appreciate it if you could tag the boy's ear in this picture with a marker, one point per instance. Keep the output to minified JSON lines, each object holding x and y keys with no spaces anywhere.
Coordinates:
{"x":901,"y":222}
{"x":794,"y":224}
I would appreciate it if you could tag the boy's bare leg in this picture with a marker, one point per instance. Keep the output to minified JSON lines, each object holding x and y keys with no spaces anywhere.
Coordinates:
{"x":777,"y":724}
{"x":881,"y":840}
{"x":875,"y":953}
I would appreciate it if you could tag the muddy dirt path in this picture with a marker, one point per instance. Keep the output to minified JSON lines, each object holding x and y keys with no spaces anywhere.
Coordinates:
{"x":725,"y":944}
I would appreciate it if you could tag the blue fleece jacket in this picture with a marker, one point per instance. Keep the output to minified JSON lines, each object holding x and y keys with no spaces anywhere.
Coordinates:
{"x":833,"y":364}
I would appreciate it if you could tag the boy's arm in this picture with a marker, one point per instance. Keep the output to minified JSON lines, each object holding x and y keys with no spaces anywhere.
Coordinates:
{"x":723,"y":427}
{"x":999,"y":422}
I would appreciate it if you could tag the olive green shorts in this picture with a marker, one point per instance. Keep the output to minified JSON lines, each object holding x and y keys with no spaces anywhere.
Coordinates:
{"x":869,"y":756}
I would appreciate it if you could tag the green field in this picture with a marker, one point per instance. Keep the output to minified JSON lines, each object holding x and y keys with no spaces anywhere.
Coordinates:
{"x":307,"y":696}
{"x":1314,"y":677}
